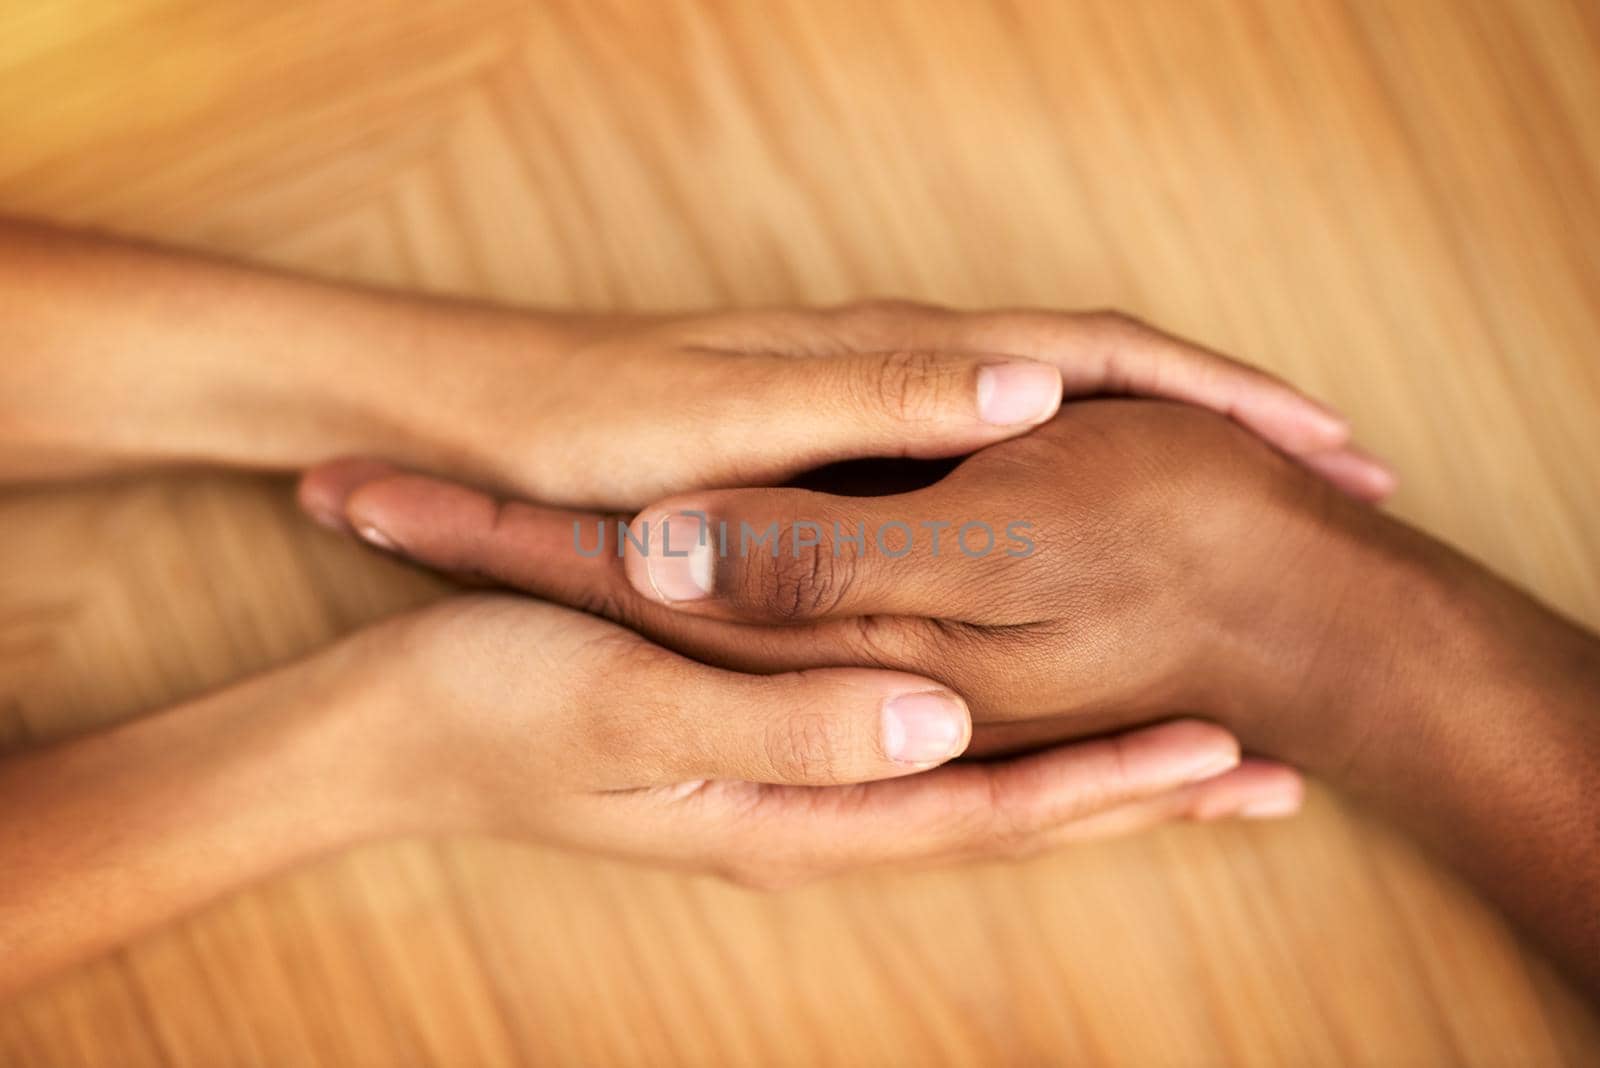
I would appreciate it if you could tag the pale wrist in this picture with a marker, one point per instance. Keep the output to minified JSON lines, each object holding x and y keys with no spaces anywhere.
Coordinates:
{"x":329,"y":744}
{"x":411,"y":765}
{"x":465,"y":391}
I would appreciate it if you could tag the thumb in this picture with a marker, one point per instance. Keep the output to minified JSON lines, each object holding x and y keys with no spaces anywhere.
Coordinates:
{"x":925,"y":405}
{"x":817,"y":727}
{"x":792,"y":556}
{"x":324,"y":490}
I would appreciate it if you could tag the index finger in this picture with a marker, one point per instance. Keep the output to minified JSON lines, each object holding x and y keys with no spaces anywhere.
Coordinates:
{"x":1109,"y":352}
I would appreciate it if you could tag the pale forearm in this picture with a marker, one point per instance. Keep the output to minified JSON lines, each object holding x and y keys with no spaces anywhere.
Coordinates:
{"x":105,"y":836}
{"x":116,"y":355}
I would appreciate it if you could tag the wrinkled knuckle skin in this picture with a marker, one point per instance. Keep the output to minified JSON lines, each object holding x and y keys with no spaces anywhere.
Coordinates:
{"x":1013,"y":834}
{"x":887,"y":642}
{"x":907,"y":386}
{"x":1106,"y":782}
{"x":802,"y":746}
{"x":502,"y":517}
{"x":1015,"y":820}
{"x":608,"y":604}
{"x":627,"y":733}
{"x":794,"y":586}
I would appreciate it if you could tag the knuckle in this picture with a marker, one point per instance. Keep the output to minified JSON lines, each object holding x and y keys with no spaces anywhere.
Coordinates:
{"x":477,"y":558}
{"x":907,"y":385}
{"x":797,"y":585}
{"x":1118,"y":780}
{"x":608,"y":603}
{"x":946,"y":651}
{"x":1013,"y":833}
{"x":1109,"y":780}
{"x":502,"y":515}
{"x":1015,"y":817}
{"x":884,"y":641}
{"x":1103,"y":782}
{"x":629,"y":734}
{"x":803,"y":745}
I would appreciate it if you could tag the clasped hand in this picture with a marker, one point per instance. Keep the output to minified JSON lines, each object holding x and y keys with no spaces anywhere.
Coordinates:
{"x":761,"y":713}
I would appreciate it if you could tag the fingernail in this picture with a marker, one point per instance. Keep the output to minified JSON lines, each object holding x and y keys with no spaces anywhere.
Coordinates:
{"x":372,"y":535}
{"x":1272,"y":806}
{"x":923,"y":728}
{"x":1191,"y":765}
{"x":1012,"y":393}
{"x":679,"y":560}
{"x":1380,"y":477}
{"x":1330,"y":428}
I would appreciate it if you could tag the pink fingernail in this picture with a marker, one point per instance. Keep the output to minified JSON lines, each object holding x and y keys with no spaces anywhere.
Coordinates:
{"x":374,"y":536}
{"x":1381,"y":478}
{"x":923,"y":728}
{"x":679,"y":560}
{"x":1014,"y":393}
{"x":1272,"y":806}
{"x":1198,"y":765}
{"x":1328,"y":424}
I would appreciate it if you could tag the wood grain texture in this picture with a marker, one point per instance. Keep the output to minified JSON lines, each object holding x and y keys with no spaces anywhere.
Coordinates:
{"x":1396,"y":203}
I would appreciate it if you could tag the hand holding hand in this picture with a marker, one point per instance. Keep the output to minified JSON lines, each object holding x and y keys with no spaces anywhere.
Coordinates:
{"x":505,"y":715}
{"x":616,"y":411}
{"x":1175,"y":566}
{"x":1178,"y":567}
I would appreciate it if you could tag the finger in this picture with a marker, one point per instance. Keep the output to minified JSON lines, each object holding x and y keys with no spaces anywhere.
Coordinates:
{"x":967,"y":809}
{"x":1354,"y":472}
{"x":804,"y":728}
{"x":1107,"y":352}
{"x":465,"y":531}
{"x":485,"y":540}
{"x":896,"y":402}
{"x":1256,"y":789}
{"x":552,"y":553}
{"x":754,"y":419}
{"x":689,"y":822}
{"x":323,"y":490}
{"x":791,"y":556}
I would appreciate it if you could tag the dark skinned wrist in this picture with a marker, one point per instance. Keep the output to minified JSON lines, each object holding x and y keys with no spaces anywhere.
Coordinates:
{"x":1469,"y":714}
{"x":1399,"y":669}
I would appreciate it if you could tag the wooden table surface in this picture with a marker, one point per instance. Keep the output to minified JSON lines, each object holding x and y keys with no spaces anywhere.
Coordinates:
{"x":1395,"y":203}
